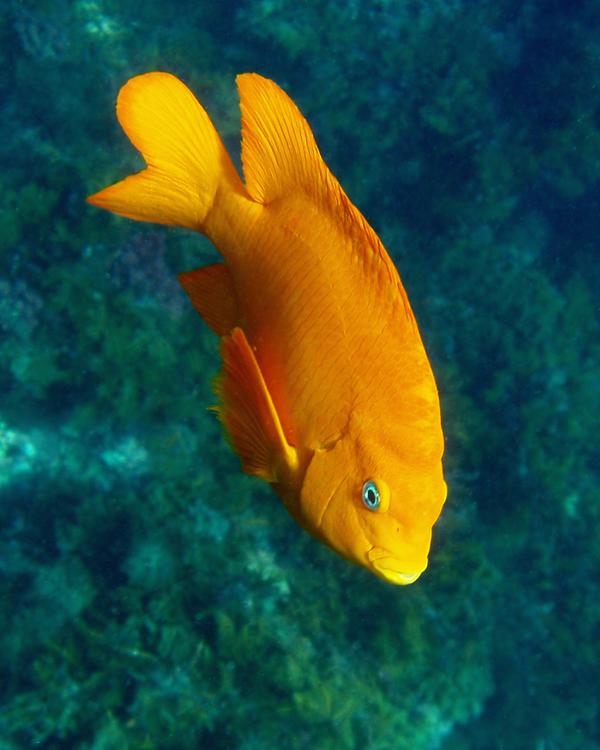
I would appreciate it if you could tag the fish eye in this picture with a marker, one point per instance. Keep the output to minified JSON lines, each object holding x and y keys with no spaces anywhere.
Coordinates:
{"x":370,"y":495}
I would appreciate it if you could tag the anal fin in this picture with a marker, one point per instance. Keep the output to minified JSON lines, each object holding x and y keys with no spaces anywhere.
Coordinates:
{"x":249,"y":414}
{"x":212,"y":293}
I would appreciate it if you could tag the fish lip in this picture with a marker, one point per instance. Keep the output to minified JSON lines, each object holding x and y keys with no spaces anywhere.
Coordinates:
{"x":388,"y":567}
{"x":395,"y":576}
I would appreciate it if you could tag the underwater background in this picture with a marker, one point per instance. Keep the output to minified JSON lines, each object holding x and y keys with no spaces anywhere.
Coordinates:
{"x":153,"y":596}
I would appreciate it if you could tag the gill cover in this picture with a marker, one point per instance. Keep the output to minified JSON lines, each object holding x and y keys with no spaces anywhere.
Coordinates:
{"x":326,"y":506}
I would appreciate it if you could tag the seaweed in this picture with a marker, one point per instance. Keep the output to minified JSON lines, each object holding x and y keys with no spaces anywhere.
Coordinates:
{"x":154,"y":596}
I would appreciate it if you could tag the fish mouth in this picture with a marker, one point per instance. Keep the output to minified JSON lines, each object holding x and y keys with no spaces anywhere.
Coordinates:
{"x":391,"y":569}
{"x":395,"y":576}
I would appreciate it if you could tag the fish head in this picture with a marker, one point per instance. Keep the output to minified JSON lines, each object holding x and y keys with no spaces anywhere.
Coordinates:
{"x":374,"y":507}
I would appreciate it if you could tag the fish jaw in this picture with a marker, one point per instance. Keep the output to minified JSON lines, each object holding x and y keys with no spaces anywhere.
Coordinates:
{"x":391,"y":569}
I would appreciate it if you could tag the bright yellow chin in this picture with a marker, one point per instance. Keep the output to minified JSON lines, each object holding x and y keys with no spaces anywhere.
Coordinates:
{"x":395,"y":576}
{"x":391,"y":569}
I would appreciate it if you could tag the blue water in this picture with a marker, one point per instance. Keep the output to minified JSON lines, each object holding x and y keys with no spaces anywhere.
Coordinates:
{"x":152,"y":595}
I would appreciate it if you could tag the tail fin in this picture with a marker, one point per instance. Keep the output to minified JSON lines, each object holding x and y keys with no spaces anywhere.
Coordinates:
{"x":186,"y":159}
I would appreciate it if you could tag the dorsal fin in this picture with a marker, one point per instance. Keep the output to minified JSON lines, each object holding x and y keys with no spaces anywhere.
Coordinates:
{"x":280,"y":158}
{"x":279,"y":151}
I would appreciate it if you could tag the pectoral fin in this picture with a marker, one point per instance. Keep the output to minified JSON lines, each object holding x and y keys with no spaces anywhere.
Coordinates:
{"x":249,"y":414}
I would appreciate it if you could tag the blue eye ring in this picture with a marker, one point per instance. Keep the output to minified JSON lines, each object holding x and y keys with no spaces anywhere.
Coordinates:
{"x":370,"y":495}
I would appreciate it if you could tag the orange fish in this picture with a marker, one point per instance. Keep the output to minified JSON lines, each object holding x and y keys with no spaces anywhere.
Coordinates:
{"x":326,"y":391}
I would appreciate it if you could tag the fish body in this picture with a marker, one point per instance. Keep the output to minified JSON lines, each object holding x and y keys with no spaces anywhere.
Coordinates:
{"x":326,"y":390}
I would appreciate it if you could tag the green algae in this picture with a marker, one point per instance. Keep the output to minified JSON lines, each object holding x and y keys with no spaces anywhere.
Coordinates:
{"x":155,"y":597}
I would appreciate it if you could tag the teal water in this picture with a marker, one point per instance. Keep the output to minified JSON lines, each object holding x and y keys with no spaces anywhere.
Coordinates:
{"x":153,"y":596}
